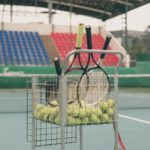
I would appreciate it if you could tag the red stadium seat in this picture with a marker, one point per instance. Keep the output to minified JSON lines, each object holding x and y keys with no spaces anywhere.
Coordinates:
{"x":63,"y":41}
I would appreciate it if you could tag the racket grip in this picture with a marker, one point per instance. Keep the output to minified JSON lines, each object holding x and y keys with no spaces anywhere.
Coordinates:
{"x":57,"y":66}
{"x":106,"y":44}
{"x":88,"y":37}
{"x":79,"y":36}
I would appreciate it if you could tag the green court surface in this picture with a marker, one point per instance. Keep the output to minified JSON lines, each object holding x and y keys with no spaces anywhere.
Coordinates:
{"x":134,"y":124}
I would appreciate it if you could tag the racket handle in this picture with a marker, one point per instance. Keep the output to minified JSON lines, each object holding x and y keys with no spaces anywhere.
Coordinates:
{"x":106,"y":44}
{"x":88,"y":37}
{"x":79,"y":36}
{"x":57,"y":66}
{"x":121,"y":142}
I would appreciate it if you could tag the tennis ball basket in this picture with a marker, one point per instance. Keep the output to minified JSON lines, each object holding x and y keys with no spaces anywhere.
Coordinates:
{"x":58,"y":107}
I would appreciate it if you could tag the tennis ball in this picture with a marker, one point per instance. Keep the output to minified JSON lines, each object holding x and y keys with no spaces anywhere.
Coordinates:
{"x":51,"y":119}
{"x":77,"y":121}
{"x":88,"y":111}
{"x":83,"y":103}
{"x":110,"y":112}
{"x":37,"y":114}
{"x":49,"y":111}
{"x":103,"y":106}
{"x":54,"y":111}
{"x":57,"y":119}
{"x":46,"y":117}
{"x":82,"y":113}
{"x":73,"y":111}
{"x":71,"y":120}
{"x":93,"y":119}
{"x":97,"y":111}
{"x":105,"y":118}
{"x":38,"y":107}
{"x":111,"y":103}
{"x":110,"y":119}
{"x":98,"y":120}
{"x":53,"y":102}
{"x":41,"y":114}
{"x":70,"y":109}
{"x":85,"y":121}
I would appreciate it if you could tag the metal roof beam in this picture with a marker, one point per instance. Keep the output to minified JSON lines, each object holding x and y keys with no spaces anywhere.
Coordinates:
{"x":81,"y":7}
{"x":84,"y":7}
{"x":125,"y":2}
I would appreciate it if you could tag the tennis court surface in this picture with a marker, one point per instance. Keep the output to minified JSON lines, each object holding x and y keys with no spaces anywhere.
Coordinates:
{"x":134,"y":123}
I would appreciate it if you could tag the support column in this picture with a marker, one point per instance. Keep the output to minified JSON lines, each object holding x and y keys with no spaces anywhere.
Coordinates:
{"x":50,"y":7}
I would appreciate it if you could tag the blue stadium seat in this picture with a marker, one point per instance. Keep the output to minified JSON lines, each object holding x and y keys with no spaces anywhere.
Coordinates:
{"x":22,"y":48}
{"x":41,"y":46}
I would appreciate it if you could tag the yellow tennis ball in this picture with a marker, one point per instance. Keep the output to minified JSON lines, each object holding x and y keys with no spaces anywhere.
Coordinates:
{"x":37,"y":115}
{"x":88,"y":111}
{"x":105,"y":118}
{"x":110,"y":112}
{"x":77,"y":121}
{"x":93,"y":119}
{"x":71,"y":120}
{"x":111,"y":103}
{"x":57,"y":119}
{"x":83,"y":103}
{"x":97,"y":112}
{"x":41,"y":114}
{"x":46,"y":117}
{"x":73,"y":110}
{"x":103,"y":106}
{"x":85,"y":121}
{"x":82,"y":113}
{"x":54,"y":111}
{"x":53,"y":102}
{"x":38,"y":107}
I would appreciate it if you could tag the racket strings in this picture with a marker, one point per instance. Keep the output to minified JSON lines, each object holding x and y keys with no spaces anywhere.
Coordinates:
{"x":93,"y":88}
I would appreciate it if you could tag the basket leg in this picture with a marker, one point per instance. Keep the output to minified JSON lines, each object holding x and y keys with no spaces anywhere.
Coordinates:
{"x":115,"y":125}
{"x":81,"y":138}
{"x":33,"y":108}
{"x":63,"y":105}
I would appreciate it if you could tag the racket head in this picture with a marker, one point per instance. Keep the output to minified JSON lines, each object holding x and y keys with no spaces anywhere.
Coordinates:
{"x":93,"y":87}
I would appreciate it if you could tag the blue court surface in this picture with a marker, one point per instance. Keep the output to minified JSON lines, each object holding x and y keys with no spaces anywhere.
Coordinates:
{"x":134,"y":124}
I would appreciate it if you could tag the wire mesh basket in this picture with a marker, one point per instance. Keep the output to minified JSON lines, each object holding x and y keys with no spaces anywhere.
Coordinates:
{"x":40,"y":130}
{"x":57,"y":106}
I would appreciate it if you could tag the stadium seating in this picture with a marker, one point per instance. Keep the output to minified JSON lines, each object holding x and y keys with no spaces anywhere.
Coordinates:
{"x":22,"y":48}
{"x":62,"y":41}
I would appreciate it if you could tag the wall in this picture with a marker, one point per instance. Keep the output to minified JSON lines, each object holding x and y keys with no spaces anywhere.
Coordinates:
{"x":43,"y":29}
{"x":9,"y":82}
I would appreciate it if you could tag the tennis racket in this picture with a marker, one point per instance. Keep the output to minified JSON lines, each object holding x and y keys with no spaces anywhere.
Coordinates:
{"x":101,"y":78}
{"x":52,"y":85}
{"x":76,"y":58}
{"x":51,"y":89}
{"x":93,"y":78}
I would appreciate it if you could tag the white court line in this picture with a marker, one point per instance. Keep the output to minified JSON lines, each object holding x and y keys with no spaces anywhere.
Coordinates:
{"x":134,"y":119}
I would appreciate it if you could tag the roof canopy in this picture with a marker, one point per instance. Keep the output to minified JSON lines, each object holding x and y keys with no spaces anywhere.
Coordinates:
{"x":102,"y":9}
